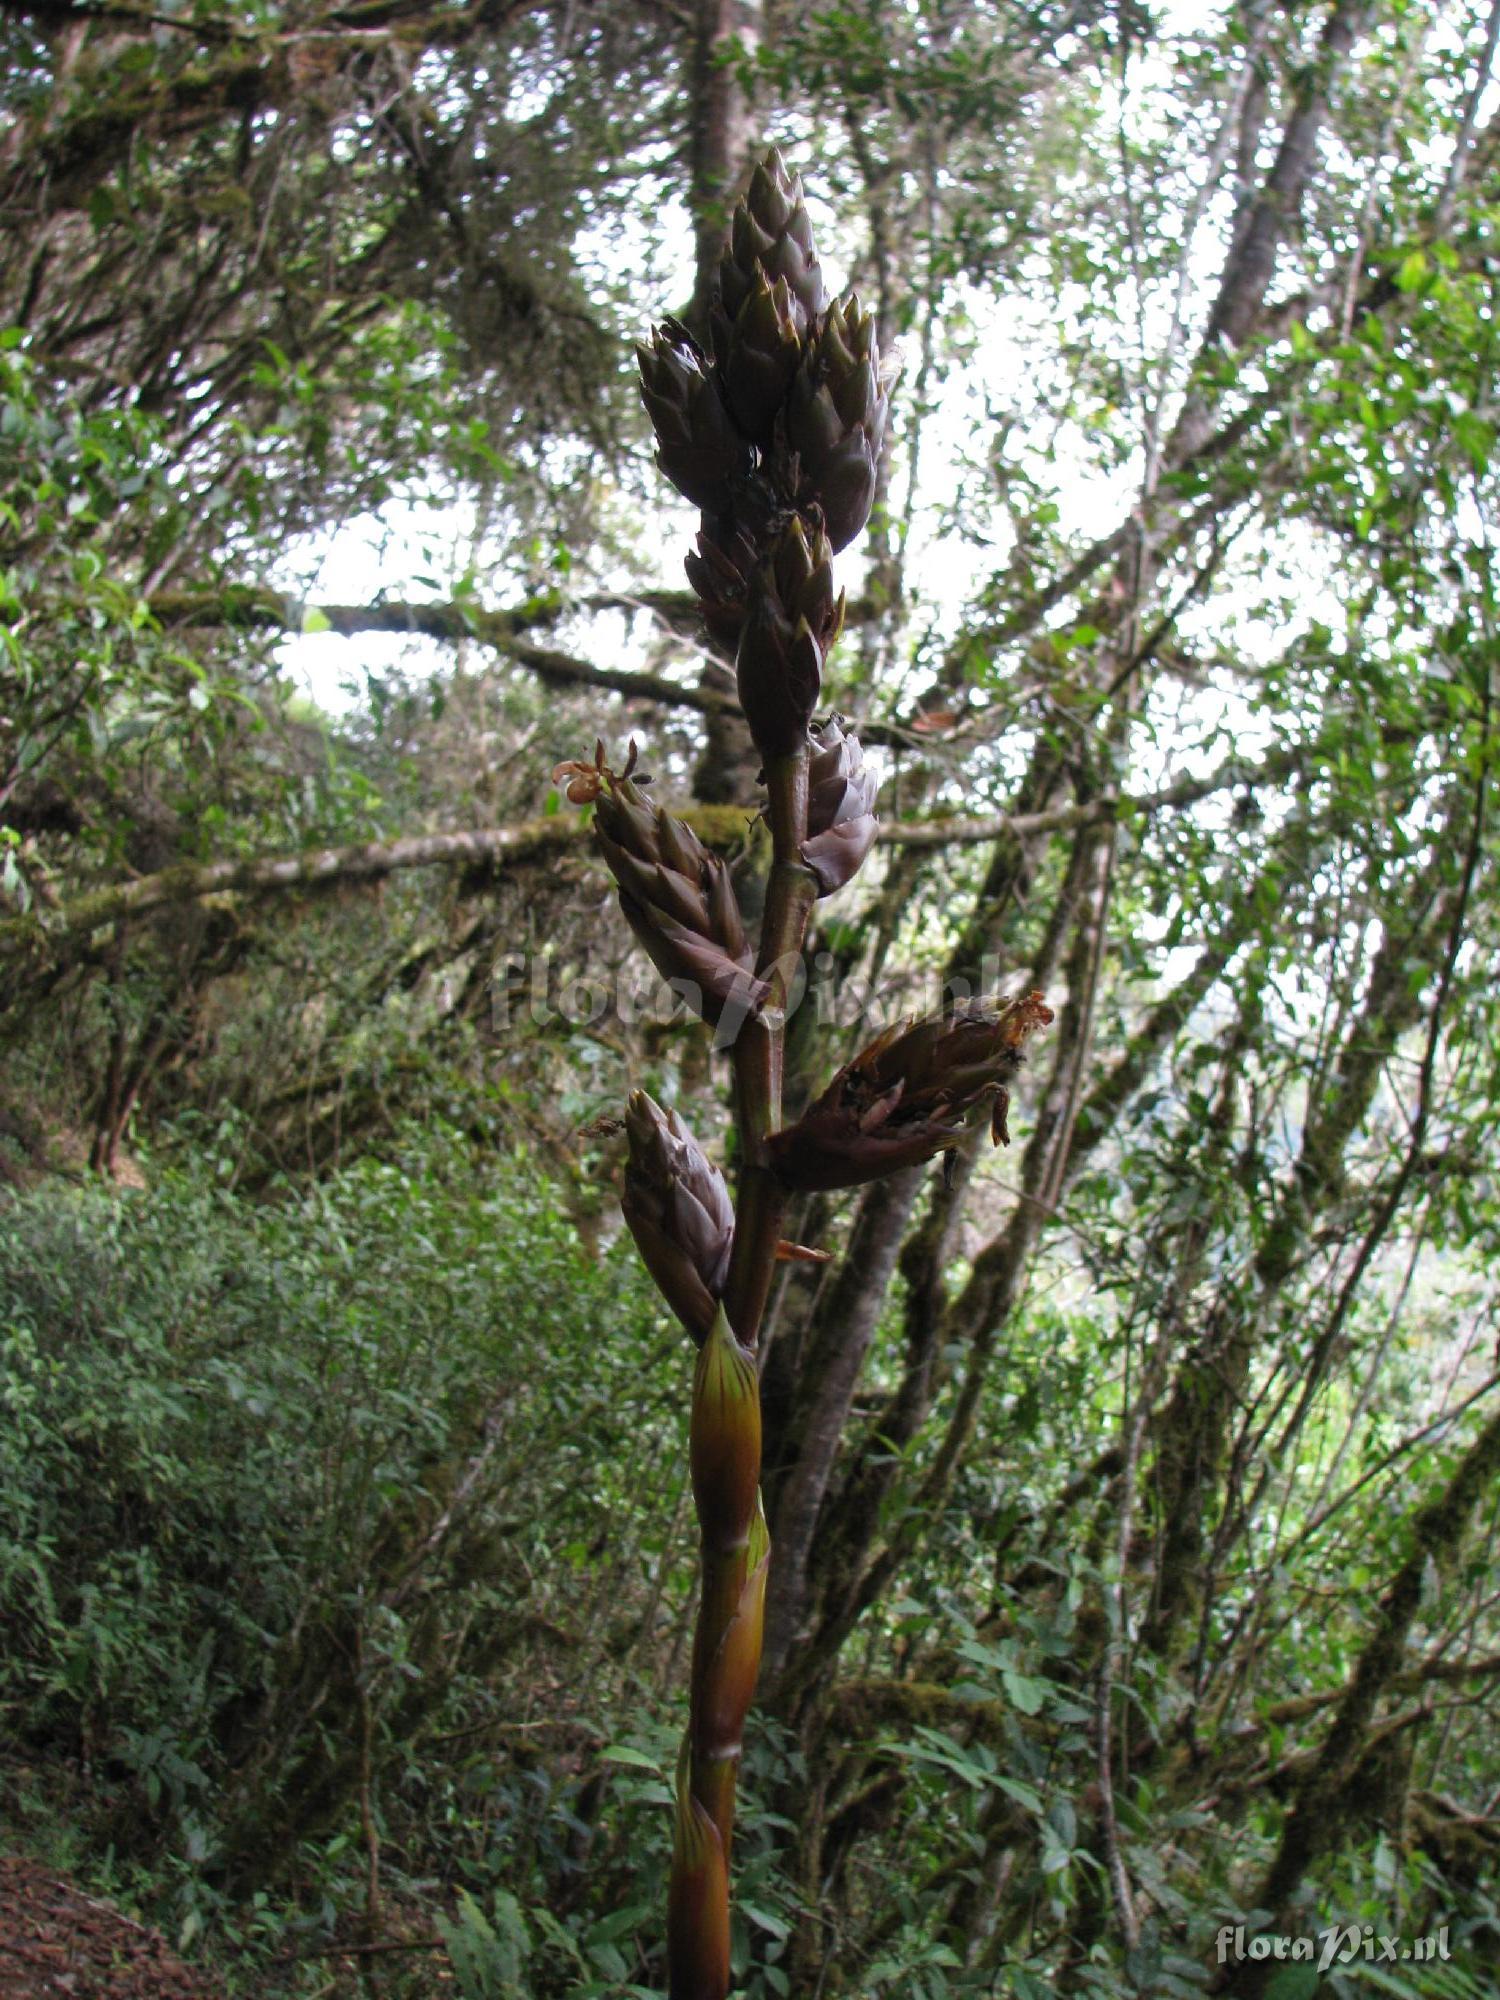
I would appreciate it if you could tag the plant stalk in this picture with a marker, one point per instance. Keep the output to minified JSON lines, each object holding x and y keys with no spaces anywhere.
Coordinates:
{"x":736,"y":1546}
{"x":759,"y":1051}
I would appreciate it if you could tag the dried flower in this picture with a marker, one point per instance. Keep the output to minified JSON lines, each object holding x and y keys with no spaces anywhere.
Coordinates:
{"x":586,"y":777}
{"x":907,"y":1096}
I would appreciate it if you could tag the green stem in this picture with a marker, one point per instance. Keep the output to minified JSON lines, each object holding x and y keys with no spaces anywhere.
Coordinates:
{"x":759,"y":1051}
{"x":725,"y":1460}
{"x":736,"y":1553}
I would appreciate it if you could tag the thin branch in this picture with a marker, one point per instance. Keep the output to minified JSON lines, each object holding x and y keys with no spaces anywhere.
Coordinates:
{"x":1442,"y":1421}
{"x":1453,"y":179}
{"x":498,"y":630}
{"x":718,"y":826}
{"x":1314,"y":1370}
{"x":1475,"y":1667}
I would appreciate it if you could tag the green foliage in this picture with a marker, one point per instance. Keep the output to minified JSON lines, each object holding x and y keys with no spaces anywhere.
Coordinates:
{"x":89,"y":680}
{"x":488,"y":1954}
{"x":278,"y":1477}
{"x":341,"y":1487}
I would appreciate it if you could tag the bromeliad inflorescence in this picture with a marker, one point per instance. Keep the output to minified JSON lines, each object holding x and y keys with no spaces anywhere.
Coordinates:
{"x":775,"y":431}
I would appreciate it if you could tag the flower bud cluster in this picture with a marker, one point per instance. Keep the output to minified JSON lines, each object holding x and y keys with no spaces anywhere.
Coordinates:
{"x":679,"y":1212}
{"x":785,"y":410}
{"x":908,"y":1095}
{"x":698,"y":447}
{"x":836,"y":415}
{"x":675,"y":895}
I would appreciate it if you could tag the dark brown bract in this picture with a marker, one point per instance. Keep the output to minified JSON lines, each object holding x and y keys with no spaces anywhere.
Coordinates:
{"x":907,"y":1096}
{"x":836,"y":418}
{"x":700,"y":450}
{"x":772,"y":235}
{"x":791,"y":624}
{"x":676,"y":896}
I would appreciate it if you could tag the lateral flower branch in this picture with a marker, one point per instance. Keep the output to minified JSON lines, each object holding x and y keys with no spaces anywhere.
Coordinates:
{"x":775,"y":432}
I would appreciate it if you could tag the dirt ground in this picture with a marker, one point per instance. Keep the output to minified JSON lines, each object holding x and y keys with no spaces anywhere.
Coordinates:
{"x":58,"y":1944}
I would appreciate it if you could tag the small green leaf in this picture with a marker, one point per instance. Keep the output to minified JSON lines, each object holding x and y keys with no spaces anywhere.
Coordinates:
{"x":1023,"y":1794}
{"x":1026,"y":1695}
{"x":620,"y":1924}
{"x":622,"y":1753}
{"x":766,"y":1921}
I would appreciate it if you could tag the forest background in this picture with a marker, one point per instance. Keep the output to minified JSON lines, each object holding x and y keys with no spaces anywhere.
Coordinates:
{"x":1134,"y":1490}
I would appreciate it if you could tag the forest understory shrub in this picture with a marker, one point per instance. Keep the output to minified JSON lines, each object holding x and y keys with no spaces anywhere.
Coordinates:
{"x":345,"y":1572}
{"x":301,"y":1528}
